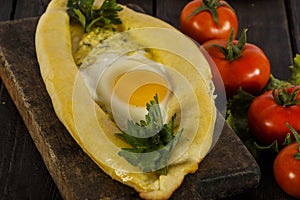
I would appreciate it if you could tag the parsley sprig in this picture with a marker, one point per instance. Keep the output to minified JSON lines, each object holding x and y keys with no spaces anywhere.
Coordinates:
{"x":152,"y":141}
{"x":88,"y":16}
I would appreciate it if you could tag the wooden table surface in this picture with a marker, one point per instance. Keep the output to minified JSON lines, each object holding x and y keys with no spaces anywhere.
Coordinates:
{"x":274,"y":25}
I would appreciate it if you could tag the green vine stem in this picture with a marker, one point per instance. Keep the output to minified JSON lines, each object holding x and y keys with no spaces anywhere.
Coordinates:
{"x":297,"y":136}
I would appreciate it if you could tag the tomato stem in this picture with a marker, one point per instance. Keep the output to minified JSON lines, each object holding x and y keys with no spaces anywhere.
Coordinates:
{"x":297,"y":136}
{"x":232,"y":52}
{"x":283,"y":98}
{"x":210,"y":6}
{"x":235,"y":51}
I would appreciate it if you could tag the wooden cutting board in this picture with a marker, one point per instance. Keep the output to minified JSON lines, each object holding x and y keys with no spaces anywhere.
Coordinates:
{"x":229,"y":169}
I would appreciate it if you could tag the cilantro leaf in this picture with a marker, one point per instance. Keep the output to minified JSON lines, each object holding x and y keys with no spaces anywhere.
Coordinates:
{"x":152,"y":141}
{"x":83,"y":12}
{"x":274,"y":83}
{"x":237,"y":113}
{"x":295,"y":71}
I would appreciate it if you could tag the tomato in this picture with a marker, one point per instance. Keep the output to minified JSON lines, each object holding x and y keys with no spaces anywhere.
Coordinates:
{"x":248,"y":69}
{"x":268,"y":114}
{"x":202,"y":26}
{"x":287,"y":170}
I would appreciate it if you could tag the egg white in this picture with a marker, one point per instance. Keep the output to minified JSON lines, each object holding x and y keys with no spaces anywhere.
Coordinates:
{"x":101,"y":76}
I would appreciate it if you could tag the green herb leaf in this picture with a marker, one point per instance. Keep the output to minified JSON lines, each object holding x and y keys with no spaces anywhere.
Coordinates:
{"x":274,"y":83}
{"x":152,"y":141}
{"x":239,"y":106}
{"x":295,"y":71}
{"x":237,"y":118}
{"x":83,"y":11}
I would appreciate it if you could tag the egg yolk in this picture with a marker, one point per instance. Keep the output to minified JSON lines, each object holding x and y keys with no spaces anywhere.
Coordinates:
{"x":138,"y":87}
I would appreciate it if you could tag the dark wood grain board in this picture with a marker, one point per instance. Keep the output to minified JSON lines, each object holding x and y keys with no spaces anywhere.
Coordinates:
{"x":29,"y":8}
{"x":293,"y":7}
{"x":6,"y":11}
{"x":170,"y":15}
{"x":20,"y":161}
{"x":74,"y":173}
{"x":146,"y":6}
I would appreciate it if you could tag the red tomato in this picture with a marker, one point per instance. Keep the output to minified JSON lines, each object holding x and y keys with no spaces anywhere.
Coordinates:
{"x":251,"y":70}
{"x":202,"y":27}
{"x":287,"y":170}
{"x":267,"y":119}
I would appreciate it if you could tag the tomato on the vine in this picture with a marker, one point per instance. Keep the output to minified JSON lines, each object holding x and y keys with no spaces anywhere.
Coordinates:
{"x":241,"y":64}
{"x":286,"y":168}
{"x":269,"y":112}
{"x":204,"y":20}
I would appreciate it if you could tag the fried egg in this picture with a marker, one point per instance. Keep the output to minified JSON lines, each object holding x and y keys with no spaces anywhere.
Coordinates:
{"x":122,"y":76}
{"x":122,"y":81}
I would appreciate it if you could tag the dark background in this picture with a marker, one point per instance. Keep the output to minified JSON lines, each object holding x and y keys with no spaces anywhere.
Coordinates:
{"x":274,"y":25}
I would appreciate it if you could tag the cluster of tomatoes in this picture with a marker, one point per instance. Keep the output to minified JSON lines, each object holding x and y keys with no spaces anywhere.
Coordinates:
{"x":272,"y":114}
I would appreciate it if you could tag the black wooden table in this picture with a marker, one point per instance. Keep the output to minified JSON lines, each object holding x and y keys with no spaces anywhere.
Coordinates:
{"x":274,"y":25}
